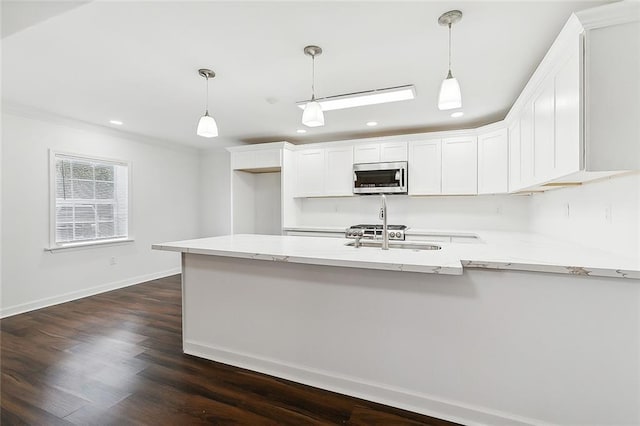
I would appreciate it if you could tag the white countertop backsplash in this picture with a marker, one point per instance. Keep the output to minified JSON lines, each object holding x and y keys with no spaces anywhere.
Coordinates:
{"x":495,"y":251}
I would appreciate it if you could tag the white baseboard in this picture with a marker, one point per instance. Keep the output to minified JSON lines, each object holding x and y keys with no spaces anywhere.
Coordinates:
{"x":401,"y":398}
{"x":67,"y":297}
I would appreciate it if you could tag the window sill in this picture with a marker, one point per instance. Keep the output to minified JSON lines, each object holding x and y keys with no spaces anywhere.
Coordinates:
{"x":88,"y":244}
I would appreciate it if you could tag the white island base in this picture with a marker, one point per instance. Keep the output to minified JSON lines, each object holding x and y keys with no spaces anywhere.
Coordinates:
{"x":485,"y":347}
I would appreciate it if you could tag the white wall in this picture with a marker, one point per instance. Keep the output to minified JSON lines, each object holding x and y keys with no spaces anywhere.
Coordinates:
{"x":603,"y":214}
{"x":268,"y":211}
{"x":165,"y":206}
{"x":495,"y":212}
{"x":215,"y":193}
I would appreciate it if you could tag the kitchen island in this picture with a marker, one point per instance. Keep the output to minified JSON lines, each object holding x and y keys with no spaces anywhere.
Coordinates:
{"x":465,"y":333}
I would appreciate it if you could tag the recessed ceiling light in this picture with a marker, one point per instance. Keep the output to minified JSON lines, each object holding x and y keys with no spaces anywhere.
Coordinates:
{"x":116,"y":122}
{"x":372,"y":123}
{"x":457,"y":114}
{"x":301,"y":131}
{"x":370,"y":97}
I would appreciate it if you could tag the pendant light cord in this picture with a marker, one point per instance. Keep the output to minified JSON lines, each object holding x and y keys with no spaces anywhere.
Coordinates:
{"x":449,"y":47}
{"x":207,"y":100}
{"x":313,"y":77}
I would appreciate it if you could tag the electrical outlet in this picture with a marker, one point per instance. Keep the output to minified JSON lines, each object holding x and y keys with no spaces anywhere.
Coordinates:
{"x":112,"y":261}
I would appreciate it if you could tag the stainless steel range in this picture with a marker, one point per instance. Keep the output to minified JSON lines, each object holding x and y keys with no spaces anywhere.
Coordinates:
{"x":364,"y":231}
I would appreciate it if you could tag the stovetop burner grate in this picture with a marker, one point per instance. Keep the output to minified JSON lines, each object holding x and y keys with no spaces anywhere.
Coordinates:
{"x":370,"y":226}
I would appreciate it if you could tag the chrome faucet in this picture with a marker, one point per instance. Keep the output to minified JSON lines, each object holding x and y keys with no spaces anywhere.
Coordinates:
{"x":383,"y":216}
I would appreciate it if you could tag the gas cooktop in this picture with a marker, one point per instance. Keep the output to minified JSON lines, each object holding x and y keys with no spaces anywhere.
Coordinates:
{"x":371,"y":231}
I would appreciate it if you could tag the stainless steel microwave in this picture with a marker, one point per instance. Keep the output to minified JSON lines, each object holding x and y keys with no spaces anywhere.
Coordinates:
{"x":380,"y":178}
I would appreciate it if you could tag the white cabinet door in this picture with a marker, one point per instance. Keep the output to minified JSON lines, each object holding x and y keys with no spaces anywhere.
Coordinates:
{"x":310,"y":173}
{"x":338,"y":177}
{"x":366,"y":153}
{"x":242,"y":160}
{"x":493,"y":162}
{"x":267,"y":158}
{"x":544,"y":134}
{"x":460,"y":165}
{"x":425,"y":167}
{"x":515,"y":160}
{"x":256,"y":159}
{"x":393,"y":151}
{"x":567,"y":116}
{"x":526,"y":145}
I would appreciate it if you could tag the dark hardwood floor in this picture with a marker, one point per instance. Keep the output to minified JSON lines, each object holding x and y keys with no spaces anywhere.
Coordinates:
{"x":116,"y":358}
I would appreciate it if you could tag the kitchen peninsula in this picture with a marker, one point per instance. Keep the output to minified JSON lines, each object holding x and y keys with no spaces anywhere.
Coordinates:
{"x":428,"y":331}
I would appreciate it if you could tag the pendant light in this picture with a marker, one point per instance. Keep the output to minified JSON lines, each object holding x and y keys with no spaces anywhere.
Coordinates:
{"x":450,"y":96}
{"x":313,"y":115}
{"x":207,"y":126}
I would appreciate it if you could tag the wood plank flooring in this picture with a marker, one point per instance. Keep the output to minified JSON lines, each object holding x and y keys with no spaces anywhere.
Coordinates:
{"x":116,"y":359}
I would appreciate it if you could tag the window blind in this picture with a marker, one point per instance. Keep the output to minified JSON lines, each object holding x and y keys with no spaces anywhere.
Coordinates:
{"x":92,"y":199}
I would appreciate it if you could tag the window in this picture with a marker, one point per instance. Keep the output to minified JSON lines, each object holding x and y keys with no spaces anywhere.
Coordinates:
{"x":91,"y":202}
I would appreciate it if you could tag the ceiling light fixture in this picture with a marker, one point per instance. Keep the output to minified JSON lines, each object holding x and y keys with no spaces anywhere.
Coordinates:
{"x":312,"y":115}
{"x":301,"y":131}
{"x":450,"y":96}
{"x":369,"y":97}
{"x":207,"y":126}
{"x":116,"y":122}
{"x":457,"y":114}
{"x":372,"y":123}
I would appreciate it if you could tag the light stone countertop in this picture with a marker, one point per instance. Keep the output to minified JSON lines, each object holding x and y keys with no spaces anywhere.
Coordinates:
{"x":496,"y":251}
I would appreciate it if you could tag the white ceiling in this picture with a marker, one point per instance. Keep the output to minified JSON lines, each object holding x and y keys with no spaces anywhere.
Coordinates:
{"x":137,"y":62}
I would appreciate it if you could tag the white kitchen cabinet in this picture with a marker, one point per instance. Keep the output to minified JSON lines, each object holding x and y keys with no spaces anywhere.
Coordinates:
{"x":578,"y":113}
{"x":526,"y":146}
{"x":460,"y":165}
{"x":257,"y":159}
{"x":382,"y":151}
{"x":493,"y":162}
{"x":425,"y":167}
{"x":544,"y":133}
{"x":515,"y":162}
{"x":310,"y":171}
{"x":567,"y":116}
{"x":369,"y":153}
{"x":393,"y":151}
{"x":338,"y":171}
{"x":612,"y":93}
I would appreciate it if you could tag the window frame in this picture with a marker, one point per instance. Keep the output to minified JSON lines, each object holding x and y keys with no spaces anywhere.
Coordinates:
{"x":53,"y":245}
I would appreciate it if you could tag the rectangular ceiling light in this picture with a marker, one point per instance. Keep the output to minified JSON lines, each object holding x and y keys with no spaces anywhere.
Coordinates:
{"x":370,"y":97}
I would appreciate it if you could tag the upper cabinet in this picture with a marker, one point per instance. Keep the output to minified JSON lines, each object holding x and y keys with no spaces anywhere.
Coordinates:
{"x":311,"y":172}
{"x":377,"y":152}
{"x":256,"y":159}
{"x":493,"y":161}
{"x":577,"y":118}
{"x":338,"y":171}
{"x":515,"y":159}
{"x":567,"y":114}
{"x":425,"y":167}
{"x":460,"y":165}
{"x":324,"y":172}
{"x":612,"y":93}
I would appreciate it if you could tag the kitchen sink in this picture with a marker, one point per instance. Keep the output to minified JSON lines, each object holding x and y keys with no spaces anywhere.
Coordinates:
{"x":407,"y":245}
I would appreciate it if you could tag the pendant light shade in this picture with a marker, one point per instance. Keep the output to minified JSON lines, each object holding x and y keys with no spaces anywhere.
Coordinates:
{"x":450,"y":96}
{"x":313,"y":115}
{"x":207,"y":126}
